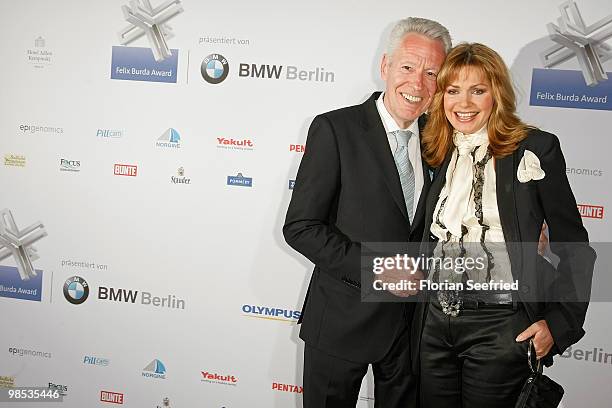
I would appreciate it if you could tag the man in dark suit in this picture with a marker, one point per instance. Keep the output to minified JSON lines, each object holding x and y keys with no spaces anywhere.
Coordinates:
{"x":362,"y":180}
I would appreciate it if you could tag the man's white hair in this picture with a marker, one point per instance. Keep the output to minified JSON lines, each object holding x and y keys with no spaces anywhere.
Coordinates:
{"x":429,"y":28}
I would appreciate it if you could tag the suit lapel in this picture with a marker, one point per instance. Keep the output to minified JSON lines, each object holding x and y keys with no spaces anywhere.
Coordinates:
{"x":420,"y":209}
{"x":506,"y":205}
{"x":434,"y":191}
{"x":376,"y":138}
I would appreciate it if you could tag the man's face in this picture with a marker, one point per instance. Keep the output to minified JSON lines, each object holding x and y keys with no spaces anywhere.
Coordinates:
{"x":410,"y":74}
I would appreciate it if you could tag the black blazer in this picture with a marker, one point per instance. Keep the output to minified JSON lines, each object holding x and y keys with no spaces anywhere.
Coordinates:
{"x":523,"y":207}
{"x":347,"y":191}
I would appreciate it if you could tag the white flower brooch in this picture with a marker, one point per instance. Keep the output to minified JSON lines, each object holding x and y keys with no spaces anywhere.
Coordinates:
{"x":529,"y":168}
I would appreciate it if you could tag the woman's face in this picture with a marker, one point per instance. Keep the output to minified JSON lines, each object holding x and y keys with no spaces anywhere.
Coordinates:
{"x":468,"y":101}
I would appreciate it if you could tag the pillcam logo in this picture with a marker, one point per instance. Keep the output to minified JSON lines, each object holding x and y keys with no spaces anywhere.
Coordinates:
{"x":181,"y":179}
{"x":14,"y":160}
{"x":297,"y":389}
{"x":239,"y":180}
{"x":109,"y":133}
{"x":111,"y":397}
{"x":214,"y":378}
{"x":76,"y":290}
{"x":214,"y":68}
{"x":125,"y":170}
{"x":169,"y":139}
{"x":70,"y":165}
{"x":96,"y":361}
{"x":271,"y":313}
{"x":235,"y":144}
{"x":591,"y":211}
{"x":291,"y":184}
{"x":155,"y":369}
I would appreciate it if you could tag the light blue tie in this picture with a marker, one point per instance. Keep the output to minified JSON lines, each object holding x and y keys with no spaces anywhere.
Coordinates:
{"x":404,"y":168}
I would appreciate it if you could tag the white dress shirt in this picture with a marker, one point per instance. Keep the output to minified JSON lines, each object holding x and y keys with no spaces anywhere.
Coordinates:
{"x":414,"y":147}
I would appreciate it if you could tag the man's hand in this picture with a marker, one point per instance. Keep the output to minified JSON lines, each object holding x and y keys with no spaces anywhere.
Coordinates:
{"x":542,"y":338}
{"x":397,"y":276}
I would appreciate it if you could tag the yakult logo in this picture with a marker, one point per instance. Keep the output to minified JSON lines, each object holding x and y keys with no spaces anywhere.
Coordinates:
{"x":235,"y":144}
{"x":215,"y":378}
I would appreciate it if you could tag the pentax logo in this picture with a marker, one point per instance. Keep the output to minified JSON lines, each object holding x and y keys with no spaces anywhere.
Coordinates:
{"x":287,"y":388}
{"x":297,"y":148}
{"x":111,"y":397}
{"x":215,"y":378}
{"x":591,"y":211}
{"x":125,"y":170}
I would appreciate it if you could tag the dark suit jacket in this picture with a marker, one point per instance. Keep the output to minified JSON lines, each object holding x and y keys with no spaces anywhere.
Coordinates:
{"x":522,"y":209}
{"x":347,"y":191}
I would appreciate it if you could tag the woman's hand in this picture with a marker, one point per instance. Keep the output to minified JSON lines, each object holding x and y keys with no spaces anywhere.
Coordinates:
{"x":542,"y":338}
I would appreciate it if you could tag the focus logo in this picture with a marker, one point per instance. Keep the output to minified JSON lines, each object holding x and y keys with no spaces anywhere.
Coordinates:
{"x":125,"y":170}
{"x":591,"y":211}
{"x":70,"y":165}
{"x":112,"y":397}
{"x":76,"y":290}
{"x":214,"y":68}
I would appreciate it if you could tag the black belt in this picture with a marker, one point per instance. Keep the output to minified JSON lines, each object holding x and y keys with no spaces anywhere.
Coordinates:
{"x":487,"y":300}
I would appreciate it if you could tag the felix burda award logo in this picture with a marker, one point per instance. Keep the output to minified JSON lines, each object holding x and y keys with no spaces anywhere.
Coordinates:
{"x":158,"y":63}
{"x":573,"y":39}
{"x":23,"y":281}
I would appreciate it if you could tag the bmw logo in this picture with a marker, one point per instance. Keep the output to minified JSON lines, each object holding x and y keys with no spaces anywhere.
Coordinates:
{"x":76,"y":290}
{"x":214,"y":68}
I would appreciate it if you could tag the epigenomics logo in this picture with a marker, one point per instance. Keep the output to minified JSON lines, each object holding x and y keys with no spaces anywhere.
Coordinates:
{"x":76,"y":290}
{"x":214,"y":68}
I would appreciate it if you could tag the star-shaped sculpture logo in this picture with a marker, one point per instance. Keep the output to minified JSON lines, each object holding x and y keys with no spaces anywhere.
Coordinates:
{"x":19,"y":243}
{"x":574,"y":38}
{"x":149,"y":21}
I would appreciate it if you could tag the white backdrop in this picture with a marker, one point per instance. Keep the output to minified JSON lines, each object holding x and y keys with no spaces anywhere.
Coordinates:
{"x":217,"y":247}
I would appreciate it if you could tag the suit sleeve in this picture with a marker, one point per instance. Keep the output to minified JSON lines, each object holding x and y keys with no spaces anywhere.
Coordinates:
{"x":569,"y":241}
{"x":309,"y":226}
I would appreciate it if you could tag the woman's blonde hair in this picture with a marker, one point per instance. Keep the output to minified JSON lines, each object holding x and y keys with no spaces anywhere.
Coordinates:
{"x":504,"y":127}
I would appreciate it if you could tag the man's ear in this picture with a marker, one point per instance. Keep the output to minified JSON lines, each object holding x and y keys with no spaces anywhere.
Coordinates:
{"x":384,"y":67}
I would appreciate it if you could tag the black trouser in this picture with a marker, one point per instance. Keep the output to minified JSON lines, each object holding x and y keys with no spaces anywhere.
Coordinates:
{"x":331,"y":382}
{"x":473,"y":360}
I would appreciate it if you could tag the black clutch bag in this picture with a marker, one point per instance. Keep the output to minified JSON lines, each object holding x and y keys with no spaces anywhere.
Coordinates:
{"x":539,"y":390}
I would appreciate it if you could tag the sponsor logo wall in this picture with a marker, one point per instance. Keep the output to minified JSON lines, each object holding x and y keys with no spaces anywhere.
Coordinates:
{"x":176,"y":259}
